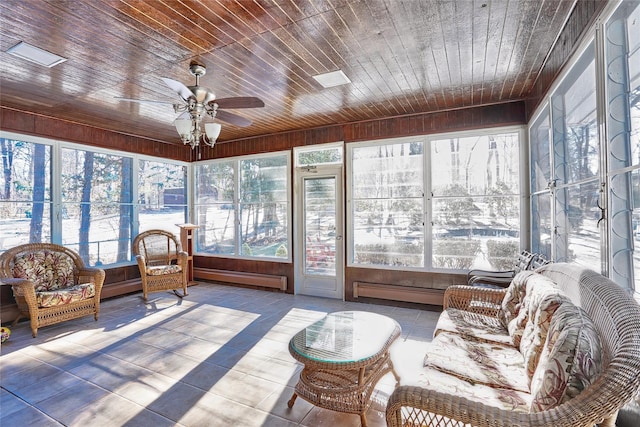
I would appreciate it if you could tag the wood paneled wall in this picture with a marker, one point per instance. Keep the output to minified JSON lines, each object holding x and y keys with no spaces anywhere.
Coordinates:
{"x":511,"y":113}
{"x":47,"y":127}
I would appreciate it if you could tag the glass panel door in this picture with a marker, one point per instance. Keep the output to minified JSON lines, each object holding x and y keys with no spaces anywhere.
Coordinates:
{"x":320,"y":226}
{"x":319,"y":260}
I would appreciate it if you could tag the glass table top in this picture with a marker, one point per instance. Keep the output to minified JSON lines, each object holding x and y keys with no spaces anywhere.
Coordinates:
{"x":345,"y":336}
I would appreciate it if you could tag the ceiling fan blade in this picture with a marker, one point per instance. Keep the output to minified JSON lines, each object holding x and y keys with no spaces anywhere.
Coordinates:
{"x":179,"y":88}
{"x":240,"y":102}
{"x":144,"y":101}
{"x":233,"y":119}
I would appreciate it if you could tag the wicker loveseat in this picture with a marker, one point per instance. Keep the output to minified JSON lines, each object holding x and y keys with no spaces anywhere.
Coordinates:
{"x":559,"y":347}
{"x":51,"y":283}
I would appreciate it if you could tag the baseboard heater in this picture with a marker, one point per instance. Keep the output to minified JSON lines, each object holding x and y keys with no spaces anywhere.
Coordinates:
{"x":242,"y":278}
{"x":398,"y":293}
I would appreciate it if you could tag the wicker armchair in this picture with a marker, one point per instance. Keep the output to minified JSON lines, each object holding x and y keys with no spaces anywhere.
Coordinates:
{"x":51,"y":284}
{"x":162,"y":263}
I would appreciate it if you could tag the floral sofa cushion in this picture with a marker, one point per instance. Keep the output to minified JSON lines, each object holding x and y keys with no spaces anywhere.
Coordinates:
{"x":468,"y":324}
{"x":529,"y":290}
{"x":514,"y":297}
{"x":478,"y":362}
{"x":65,"y":296}
{"x":48,"y":270}
{"x":502,"y":398}
{"x":541,"y":302}
{"x":159,"y":270}
{"x":571,"y":358}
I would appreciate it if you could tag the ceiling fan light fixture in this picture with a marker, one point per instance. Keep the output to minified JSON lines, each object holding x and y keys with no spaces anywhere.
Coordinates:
{"x":183,"y":125}
{"x":212,"y":130}
{"x":332,"y":79}
{"x":35,"y":54}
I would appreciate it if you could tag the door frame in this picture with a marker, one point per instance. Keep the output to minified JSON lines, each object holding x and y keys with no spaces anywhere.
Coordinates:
{"x":321,"y":171}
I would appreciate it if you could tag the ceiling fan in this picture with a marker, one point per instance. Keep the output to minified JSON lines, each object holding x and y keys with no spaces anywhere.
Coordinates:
{"x":199,"y":102}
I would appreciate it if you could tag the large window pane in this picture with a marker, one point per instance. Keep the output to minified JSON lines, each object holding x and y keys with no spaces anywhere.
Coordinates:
{"x":387,"y":209}
{"x":263,"y":207}
{"x":541,"y":225}
{"x":320,"y":222}
{"x":162,"y":195}
{"x":388,"y":232}
{"x":242,"y":207}
{"x":96,"y":205}
{"x":622,"y":44}
{"x":576,"y":157}
{"x":476,"y":206}
{"x":25,"y":193}
{"x":577,"y":233}
{"x":478,"y":165}
{"x":575,"y":138}
{"x":540,"y":159}
{"x":215,"y":211}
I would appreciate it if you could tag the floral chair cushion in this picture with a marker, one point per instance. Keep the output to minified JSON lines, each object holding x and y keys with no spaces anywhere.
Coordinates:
{"x":571,"y":358}
{"x":505,"y":399}
{"x":160,"y":270}
{"x":66,"y":295}
{"x":478,"y":362}
{"x":478,"y":326}
{"x":48,"y":270}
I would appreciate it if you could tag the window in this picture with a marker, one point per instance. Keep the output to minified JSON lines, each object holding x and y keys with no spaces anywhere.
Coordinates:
{"x":476,"y":201}
{"x":90,"y":201}
{"x":314,"y":156}
{"x":463,"y":213}
{"x":242,"y":206}
{"x":387,"y":208}
{"x":96,"y":205}
{"x":622,"y":51}
{"x":575,"y":160}
{"x":539,"y":140}
{"x":25,"y":193}
{"x":601,"y":87}
{"x":162,"y":195}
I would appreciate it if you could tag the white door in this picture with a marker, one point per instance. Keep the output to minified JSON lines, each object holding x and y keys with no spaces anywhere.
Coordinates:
{"x":320,"y":246}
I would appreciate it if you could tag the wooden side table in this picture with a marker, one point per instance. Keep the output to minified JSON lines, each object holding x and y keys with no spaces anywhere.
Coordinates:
{"x":186,"y":241}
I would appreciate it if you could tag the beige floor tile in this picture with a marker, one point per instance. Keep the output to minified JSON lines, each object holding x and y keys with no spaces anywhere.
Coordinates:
{"x":216,"y":358}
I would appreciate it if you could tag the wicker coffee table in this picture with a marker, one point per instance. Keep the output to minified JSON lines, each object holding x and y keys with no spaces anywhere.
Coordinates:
{"x":344,"y":356}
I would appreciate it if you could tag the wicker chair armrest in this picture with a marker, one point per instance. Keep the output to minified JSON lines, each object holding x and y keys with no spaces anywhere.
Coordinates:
{"x":22,"y":287}
{"x":183,"y":258}
{"x":142,"y":262}
{"x":94,"y":275}
{"x":471,"y":298}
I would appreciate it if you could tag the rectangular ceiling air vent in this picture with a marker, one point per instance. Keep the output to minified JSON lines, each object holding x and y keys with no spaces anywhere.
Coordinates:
{"x":35,"y":54}
{"x":334,"y":78}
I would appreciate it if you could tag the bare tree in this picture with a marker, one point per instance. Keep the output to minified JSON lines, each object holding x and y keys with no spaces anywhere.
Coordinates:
{"x":37,"y":207}
{"x":85,"y":207}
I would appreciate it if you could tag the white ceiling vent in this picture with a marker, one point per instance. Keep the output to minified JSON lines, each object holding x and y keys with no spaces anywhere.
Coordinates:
{"x":35,"y":54}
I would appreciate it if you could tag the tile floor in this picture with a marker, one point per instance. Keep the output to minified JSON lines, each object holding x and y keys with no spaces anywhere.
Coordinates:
{"x":216,"y":358}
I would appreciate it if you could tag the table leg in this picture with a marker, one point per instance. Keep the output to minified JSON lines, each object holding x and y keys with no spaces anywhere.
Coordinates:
{"x":292,"y":400}
{"x":363,"y":420}
{"x":393,"y":371}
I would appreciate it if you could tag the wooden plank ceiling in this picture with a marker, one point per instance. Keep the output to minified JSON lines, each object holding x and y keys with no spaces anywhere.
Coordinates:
{"x":402,"y":57}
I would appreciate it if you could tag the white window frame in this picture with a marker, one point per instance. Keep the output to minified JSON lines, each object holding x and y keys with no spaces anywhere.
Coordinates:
{"x":237,"y":245}
{"x":428,"y":199}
